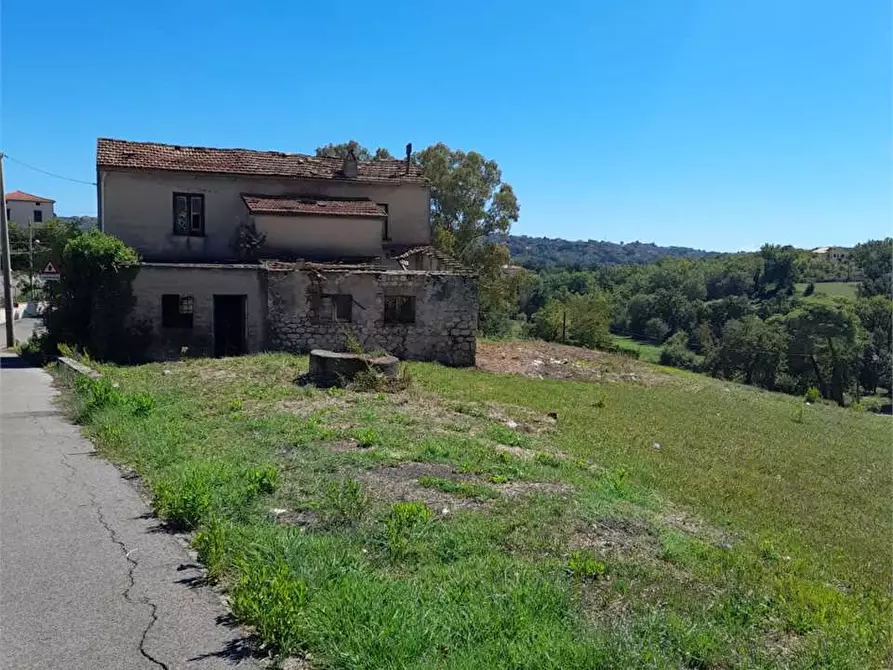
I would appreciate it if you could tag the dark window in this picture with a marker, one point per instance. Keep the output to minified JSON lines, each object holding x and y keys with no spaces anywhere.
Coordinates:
{"x":399,"y":309}
{"x":189,"y":214}
{"x":385,"y":225}
{"x":8,"y":214}
{"x":38,"y":216}
{"x":336,"y":308}
{"x":176,"y":310}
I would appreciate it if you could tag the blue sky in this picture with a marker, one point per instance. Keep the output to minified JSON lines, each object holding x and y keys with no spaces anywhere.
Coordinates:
{"x":714,"y":124}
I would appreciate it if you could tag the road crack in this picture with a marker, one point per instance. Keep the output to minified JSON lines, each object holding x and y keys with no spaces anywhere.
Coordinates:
{"x":127,"y":593}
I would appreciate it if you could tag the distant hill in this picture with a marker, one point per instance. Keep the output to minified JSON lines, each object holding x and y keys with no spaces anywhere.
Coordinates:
{"x":544,"y":252}
{"x":83,"y":222}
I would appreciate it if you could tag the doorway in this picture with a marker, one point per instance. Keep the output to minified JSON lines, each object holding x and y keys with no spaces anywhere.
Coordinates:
{"x":229,"y":325}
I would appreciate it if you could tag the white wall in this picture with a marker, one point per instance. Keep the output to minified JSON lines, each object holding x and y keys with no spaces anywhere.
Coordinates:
{"x":22,"y":210}
{"x":137,"y":207}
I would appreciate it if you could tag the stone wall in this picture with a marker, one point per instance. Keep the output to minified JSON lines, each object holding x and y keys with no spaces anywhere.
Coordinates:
{"x":446,"y":308}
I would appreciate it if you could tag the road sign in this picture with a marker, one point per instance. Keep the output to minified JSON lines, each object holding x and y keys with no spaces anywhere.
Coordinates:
{"x":49,"y":272}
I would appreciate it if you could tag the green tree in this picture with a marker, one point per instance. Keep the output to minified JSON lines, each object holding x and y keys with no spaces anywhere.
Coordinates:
{"x":94,"y":298}
{"x":779,"y":270}
{"x":876,"y":317}
{"x":875,"y":261}
{"x":589,"y":320}
{"x":656,"y":329}
{"x":751,"y":350}
{"x":825,"y":345}
{"x":470,"y":205}
{"x":361,"y":152}
{"x":675,"y":353}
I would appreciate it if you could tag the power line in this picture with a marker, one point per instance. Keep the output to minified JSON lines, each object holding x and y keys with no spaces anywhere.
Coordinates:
{"x":46,"y":172}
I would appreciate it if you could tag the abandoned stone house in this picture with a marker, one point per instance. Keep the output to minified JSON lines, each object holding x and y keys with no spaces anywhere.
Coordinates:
{"x":346,"y":253}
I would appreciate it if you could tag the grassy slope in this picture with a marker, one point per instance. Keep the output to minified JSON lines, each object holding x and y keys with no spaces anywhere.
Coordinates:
{"x":833,"y":288}
{"x":754,"y":537}
{"x":650,"y":353}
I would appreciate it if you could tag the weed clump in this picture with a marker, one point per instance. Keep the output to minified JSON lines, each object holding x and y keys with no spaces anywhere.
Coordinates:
{"x":343,"y":503}
{"x":406,"y":522}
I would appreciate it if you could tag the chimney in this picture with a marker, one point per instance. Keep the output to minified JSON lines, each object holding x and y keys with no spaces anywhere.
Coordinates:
{"x":350,"y":165}
{"x":408,"y":154}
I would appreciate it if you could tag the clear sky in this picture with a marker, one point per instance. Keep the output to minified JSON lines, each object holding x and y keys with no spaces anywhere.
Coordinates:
{"x":715,"y":124}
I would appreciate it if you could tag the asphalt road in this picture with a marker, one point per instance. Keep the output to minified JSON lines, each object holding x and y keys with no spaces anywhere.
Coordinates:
{"x":87,"y":578}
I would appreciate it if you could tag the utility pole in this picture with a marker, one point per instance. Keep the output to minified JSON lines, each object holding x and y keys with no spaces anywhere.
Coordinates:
{"x":30,"y":261}
{"x":7,"y":264}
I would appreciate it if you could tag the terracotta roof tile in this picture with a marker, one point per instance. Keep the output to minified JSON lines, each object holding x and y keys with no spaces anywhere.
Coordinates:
{"x":298,"y":205}
{"x":122,"y":154}
{"x":27,"y":197}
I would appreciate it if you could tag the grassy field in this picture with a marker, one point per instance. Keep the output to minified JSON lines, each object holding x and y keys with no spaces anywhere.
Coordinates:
{"x":833,"y":288}
{"x":649,"y":353}
{"x":481,"y":520}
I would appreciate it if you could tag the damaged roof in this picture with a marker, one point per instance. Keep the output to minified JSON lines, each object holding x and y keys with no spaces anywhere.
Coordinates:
{"x":301,"y":205}
{"x":123,"y":154}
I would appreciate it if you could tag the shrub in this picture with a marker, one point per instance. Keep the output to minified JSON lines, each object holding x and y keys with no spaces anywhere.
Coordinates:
{"x":656,"y":329}
{"x":92,"y":304}
{"x":812,"y":395}
{"x":584,"y":565}
{"x":675,"y":353}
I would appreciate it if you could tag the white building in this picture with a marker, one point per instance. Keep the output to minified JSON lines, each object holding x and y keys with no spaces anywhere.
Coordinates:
{"x":832,"y":253}
{"x":22,"y":207}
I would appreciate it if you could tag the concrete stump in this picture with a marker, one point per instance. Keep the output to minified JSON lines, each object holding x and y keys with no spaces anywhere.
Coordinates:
{"x":334,"y":368}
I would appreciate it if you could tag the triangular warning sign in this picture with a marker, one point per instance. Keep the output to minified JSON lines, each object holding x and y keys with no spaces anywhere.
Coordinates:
{"x":49,"y":269}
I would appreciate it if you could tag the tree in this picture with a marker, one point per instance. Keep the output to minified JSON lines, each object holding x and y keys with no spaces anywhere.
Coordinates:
{"x":470,"y":205}
{"x":589,"y":320}
{"x":361,"y":152}
{"x":751,"y":350}
{"x":875,"y":260}
{"x":91,"y":307}
{"x":876,"y":317}
{"x":675,"y":353}
{"x":779,"y":270}
{"x":656,"y":329}
{"x":825,"y":345}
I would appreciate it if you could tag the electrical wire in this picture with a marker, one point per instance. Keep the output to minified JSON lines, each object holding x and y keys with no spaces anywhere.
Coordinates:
{"x":46,"y":172}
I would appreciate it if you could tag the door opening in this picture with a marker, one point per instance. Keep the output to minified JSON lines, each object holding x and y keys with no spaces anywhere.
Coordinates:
{"x":229,"y":325}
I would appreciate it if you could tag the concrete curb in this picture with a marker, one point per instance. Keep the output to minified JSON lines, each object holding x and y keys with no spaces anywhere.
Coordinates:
{"x":78,"y":368}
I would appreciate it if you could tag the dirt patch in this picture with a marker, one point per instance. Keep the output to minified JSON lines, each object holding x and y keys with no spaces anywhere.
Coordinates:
{"x":547,"y":360}
{"x":517,"y":452}
{"x":518,"y":488}
{"x":521,"y":419}
{"x":696,"y":527}
{"x":400,"y":483}
{"x":615,"y":535}
{"x":342,"y":447}
{"x":302,"y":518}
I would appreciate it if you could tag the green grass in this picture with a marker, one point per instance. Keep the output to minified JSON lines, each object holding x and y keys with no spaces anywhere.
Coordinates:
{"x":832,"y":288}
{"x":649,"y":353}
{"x":747,"y":539}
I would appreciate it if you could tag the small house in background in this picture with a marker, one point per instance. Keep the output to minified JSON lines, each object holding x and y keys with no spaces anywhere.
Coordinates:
{"x":22,"y":207}
{"x":832,"y":253}
{"x":340,"y":250}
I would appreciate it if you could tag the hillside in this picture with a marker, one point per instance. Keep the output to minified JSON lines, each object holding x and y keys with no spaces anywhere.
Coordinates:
{"x":586,"y":510}
{"x":544,"y":252}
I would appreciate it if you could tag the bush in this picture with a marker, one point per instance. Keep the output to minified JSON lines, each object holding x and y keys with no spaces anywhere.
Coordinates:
{"x":675,"y":353}
{"x":656,"y":330}
{"x":584,"y":565}
{"x":92,"y":304}
{"x":812,"y":395}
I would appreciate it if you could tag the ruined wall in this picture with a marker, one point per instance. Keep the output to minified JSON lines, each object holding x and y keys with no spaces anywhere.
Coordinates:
{"x":202,"y":283}
{"x":446,"y":308}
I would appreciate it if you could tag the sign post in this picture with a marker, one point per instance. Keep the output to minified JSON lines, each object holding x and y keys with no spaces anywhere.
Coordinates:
{"x":50,"y":272}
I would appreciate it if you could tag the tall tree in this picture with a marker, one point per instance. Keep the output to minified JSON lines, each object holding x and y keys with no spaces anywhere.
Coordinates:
{"x":361,"y":152}
{"x":779,"y":270}
{"x":875,"y":260}
{"x":826,"y":341}
{"x":470,"y":206}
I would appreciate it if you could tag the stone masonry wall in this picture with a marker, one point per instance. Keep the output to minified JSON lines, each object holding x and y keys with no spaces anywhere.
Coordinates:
{"x":446,"y":309}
